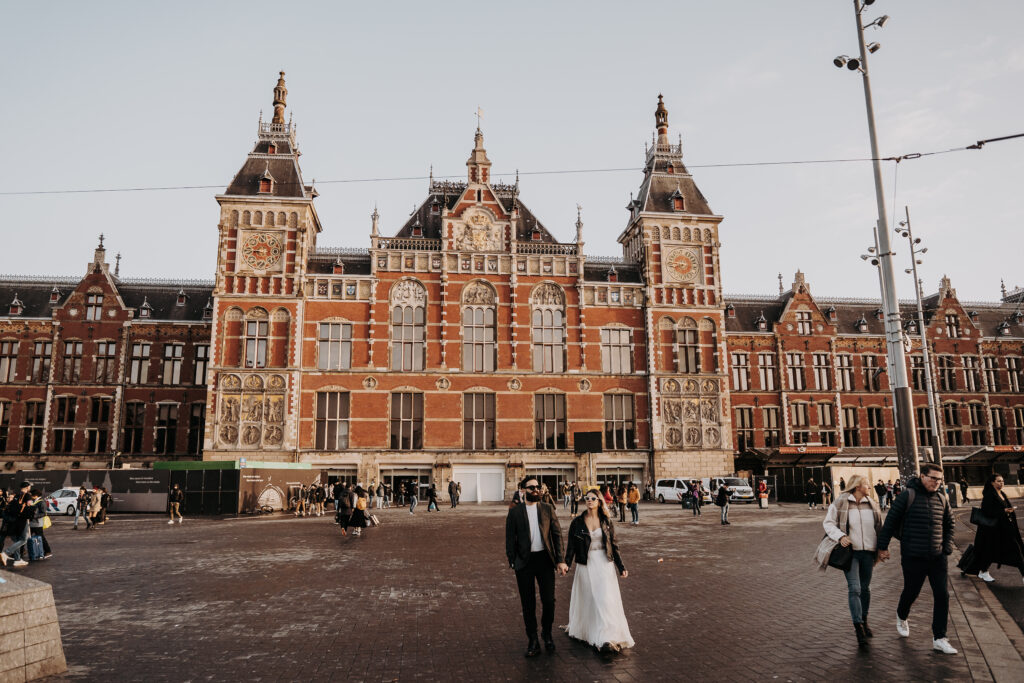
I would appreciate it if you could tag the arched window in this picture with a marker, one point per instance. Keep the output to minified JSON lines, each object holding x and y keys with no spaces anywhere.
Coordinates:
{"x":548,"y":318}
{"x":254,"y":340}
{"x":687,"y":347}
{"x":408,"y":326}
{"x":479,"y":332}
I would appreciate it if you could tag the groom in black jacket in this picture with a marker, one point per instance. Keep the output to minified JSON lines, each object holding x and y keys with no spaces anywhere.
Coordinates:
{"x":533,"y":545}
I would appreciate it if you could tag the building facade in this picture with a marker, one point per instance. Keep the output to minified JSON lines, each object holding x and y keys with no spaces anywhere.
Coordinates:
{"x":470,"y":344}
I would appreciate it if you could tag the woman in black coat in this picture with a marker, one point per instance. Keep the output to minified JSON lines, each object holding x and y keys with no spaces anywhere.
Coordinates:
{"x":999,"y":543}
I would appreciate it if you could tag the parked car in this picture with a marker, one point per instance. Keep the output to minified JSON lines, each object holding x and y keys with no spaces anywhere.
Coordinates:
{"x":740,"y":489}
{"x":62,"y":501}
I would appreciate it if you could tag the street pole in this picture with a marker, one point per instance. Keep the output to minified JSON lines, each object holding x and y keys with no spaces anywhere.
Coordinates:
{"x":929,"y":385}
{"x":906,"y":445}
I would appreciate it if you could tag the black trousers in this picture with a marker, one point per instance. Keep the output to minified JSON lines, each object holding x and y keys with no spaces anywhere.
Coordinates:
{"x":915,"y":571}
{"x":538,"y":569}
{"x":574,"y":505}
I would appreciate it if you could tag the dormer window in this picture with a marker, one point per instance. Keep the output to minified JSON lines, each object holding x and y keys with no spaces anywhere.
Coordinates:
{"x":677,"y":200}
{"x":670,"y":169}
{"x":271,"y":149}
{"x":208,"y":310}
{"x":612,"y":275}
{"x":54,"y":295}
{"x":16,"y":307}
{"x":973,"y":315}
{"x":879,"y":314}
{"x":535,"y":235}
{"x":761,"y":323}
{"x":1004,"y":328}
{"x":181,"y":298}
{"x":1018,"y":317}
{"x":730,"y":311}
{"x":145,"y":310}
{"x":339,"y":267}
{"x":417,"y":229}
{"x":830,"y":312}
{"x":912,"y":327}
{"x":266,"y":185}
{"x":435,"y":207}
{"x":862,"y":324}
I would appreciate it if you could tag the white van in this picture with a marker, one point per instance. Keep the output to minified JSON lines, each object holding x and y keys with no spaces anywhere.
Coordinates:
{"x":669,"y":490}
{"x":740,"y":489}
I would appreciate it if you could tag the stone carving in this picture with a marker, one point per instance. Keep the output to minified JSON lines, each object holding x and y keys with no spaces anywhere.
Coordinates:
{"x":275,"y":410}
{"x":692,"y":436}
{"x":229,"y":410}
{"x":710,"y":386}
{"x":443,"y":383}
{"x":671,"y":386}
{"x":514,"y":384}
{"x":690,"y":411}
{"x":673,"y":412}
{"x":276,"y":383}
{"x":548,"y":295}
{"x":370,"y":383}
{"x":477,"y":234}
{"x":273,"y":434}
{"x":251,"y":435}
{"x":691,"y":386}
{"x":408,"y":293}
{"x":253,"y":383}
{"x":708,"y":411}
{"x":252,"y":408}
{"x":584,"y":385}
{"x":673,"y":436}
{"x":230,"y":382}
{"x":229,"y":435}
{"x":711,"y":436}
{"x":477,"y":293}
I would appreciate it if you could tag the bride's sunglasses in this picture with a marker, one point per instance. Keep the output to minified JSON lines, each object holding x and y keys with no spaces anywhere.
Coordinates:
{"x":590,"y":498}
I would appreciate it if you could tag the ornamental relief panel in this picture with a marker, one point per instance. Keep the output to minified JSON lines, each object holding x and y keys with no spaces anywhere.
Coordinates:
{"x":408,"y":293}
{"x":691,"y":415}
{"x":478,"y":233}
{"x":252,"y":410}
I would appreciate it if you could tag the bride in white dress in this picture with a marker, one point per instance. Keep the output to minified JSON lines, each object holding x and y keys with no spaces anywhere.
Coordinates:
{"x":595,"y":608}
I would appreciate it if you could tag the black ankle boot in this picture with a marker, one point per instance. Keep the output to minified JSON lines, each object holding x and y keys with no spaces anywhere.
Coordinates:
{"x":867,"y":629}
{"x":862,"y":638}
{"x":533,"y":648}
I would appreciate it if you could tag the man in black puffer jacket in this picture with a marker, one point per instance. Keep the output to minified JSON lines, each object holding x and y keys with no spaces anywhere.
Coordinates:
{"x":921,"y":518}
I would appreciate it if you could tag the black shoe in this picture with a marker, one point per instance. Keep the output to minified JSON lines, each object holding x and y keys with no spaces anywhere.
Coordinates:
{"x":867,"y":629}
{"x":549,"y":644}
{"x":862,"y":638}
{"x":533,"y":648}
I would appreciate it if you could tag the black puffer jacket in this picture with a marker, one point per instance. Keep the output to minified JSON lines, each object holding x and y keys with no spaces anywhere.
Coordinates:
{"x":927,"y":527}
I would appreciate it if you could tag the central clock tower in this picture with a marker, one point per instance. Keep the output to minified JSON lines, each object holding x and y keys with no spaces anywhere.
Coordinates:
{"x":673,"y":234}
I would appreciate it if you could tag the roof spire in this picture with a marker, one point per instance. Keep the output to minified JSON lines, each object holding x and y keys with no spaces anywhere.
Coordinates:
{"x":1002,"y":287}
{"x":478,"y":163}
{"x":781,"y":290}
{"x":661,"y":121}
{"x":280,"y":94}
{"x":117,"y":265}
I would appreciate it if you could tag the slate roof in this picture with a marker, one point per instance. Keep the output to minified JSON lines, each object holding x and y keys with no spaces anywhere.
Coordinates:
{"x":355,"y":261}
{"x":598,"y":272}
{"x":657,"y":189}
{"x":162,"y":295}
{"x":283,"y":168}
{"x":430,"y":220}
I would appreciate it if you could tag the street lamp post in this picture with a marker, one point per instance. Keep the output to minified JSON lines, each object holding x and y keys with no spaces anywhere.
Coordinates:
{"x":905,"y":231}
{"x":906,"y":445}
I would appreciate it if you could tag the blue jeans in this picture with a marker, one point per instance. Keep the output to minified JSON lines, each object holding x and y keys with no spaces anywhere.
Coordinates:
{"x":634,"y":509}
{"x":84,"y":514}
{"x":858,"y":582}
{"x":725,"y":513}
{"x":412,"y":504}
{"x":14,"y":550}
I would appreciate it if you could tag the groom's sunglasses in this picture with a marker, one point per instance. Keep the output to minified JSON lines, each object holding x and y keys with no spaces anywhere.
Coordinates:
{"x":532,"y":487}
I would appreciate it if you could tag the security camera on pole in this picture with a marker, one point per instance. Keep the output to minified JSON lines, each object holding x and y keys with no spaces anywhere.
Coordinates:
{"x":906,"y":444}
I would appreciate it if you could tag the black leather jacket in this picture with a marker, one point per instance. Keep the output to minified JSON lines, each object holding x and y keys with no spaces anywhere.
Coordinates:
{"x":578,"y":547}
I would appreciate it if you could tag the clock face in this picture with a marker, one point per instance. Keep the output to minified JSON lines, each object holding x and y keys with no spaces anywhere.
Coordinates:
{"x":261,"y":250}
{"x":682,"y":265}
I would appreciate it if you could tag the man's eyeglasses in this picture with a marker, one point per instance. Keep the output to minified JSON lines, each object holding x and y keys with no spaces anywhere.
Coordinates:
{"x":938,"y":479}
{"x":531,"y":487}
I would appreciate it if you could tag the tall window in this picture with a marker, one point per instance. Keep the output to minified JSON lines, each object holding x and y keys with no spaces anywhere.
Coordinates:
{"x":799,"y":422}
{"x":97,"y":432}
{"x":64,"y":423}
{"x":766,"y":371}
{"x":740,"y":372}
{"x":549,"y":421}
{"x":32,"y":427}
{"x":139,"y":368}
{"x":408,"y":338}
{"x":406,"y":421}
{"x":1013,"y":375}
{"x":947,"y":373}
{"x":872,"y":372}
{"x":5,"y":424}
{"x":951,"y":417}
{"x":826,"y":425}
{"x":1018,"y":424}
{"x":255,"y":343}
{"x":803,"y":322}
{"x":616,"y":354}
{"x":172,"y":363}
{"x":991,"y":373}
{"x":196,"y":428}
{"x":917,"y":376}
{"x":952,"y":326}
{"x":976,"y":424}
{"x":166,"y":428}
{"x":822,"y":372}
{"x":8,"y":360}
{"x":72,"y":361}
{"x":479,"y":335}
{"x":744,"y":429}
{"x":772,"y":430}
{"x":619,"y":424}
{"x":202,"y":363}
{"x":924,"y":427}
{"x":688,"y":351}
{"x":876,"y":426}
{"x":844,"y":363}
{"x":795,"y":372}
{"x":972,"y":378}
{"x":332,"y":420}
{"x":334,"y":346}
{"x":999,"y":427}
{"x":134,"y":419}
{"x":478,"y":422}
{"x":105,"y":361}
{"x":94,"y":307}
{"x":851,"y":427}
{"x":41,"y":352}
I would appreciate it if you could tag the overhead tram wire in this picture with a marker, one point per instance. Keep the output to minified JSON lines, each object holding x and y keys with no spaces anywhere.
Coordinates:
{"x":749,"y":164}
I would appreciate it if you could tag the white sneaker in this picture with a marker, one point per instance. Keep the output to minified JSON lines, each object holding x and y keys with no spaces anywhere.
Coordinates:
{"x":942,"y":645}
{"x":20,"y":563}
{"x":180,"y":520}
{"x":903,"y":627}
{"x":171,"y":521}
{"x":985,"y":576}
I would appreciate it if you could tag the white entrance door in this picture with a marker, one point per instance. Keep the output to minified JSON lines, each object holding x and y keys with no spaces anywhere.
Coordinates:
{"x":480,"y":483}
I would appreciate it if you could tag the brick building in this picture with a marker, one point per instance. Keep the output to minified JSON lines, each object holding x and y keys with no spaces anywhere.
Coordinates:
{"x":471,"y":344}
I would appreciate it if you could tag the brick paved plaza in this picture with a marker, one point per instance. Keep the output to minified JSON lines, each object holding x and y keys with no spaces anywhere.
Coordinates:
{"x":430,"y":597}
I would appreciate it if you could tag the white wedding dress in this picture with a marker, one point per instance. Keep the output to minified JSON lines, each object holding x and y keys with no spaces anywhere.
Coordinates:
{"x":595,"y":608}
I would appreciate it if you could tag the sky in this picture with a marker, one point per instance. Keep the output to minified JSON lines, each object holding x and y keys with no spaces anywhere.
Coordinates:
{"x":108,"y":95}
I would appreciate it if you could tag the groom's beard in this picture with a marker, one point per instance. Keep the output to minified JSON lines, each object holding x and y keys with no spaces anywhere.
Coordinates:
{"x":533,"y":496}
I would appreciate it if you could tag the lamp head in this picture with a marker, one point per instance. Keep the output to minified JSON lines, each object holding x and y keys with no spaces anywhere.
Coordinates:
{"x":853,"y":64}
{"x":840,"y":61}
{"x":880,"y":21}
{"x":874,"y":47}
{"x":923,"y":251}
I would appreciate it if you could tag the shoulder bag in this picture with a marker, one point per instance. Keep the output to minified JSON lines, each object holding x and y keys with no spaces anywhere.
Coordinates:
{"x":980,"y":519}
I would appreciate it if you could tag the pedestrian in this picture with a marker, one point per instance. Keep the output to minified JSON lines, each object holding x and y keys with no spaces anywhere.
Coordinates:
{"x":854,"y":521}
{"x":95,"y":506}
{"x":826,"y":494}
{"x":722,"y":501}
{"x":343,"y":505}
{"x":963,"y":489}
{"x":380,"y":496}
{"x":39,"y":521}
{"x":82,"y":507}
{"x":923,"y":515}
{"x":18,"y":512}
{"x":413,"y":494}
{"x":622,"y":498}
{"x":359,"y":504}
{"x":104,"y":504}
{"x":432,"y":499}
{"x":882,"y":493}
{"x":566,"y":494}
{"x":387,"y":495}
{"x":574,"y":498}
{"x":533,"y":547}
{"x":998,"y":537}
{"x":371,"y":492}
{"x":897,"y":489}
{"x":813,"y":494}
{"x":696,"y":497}
{"x":175,"y":498}
{"x":609,"y":497}
{"x":633,"y":501}
{"x":452,"y":494}
{"x":321,"y":500}
{"x":595,"y":606}
{"x":888,"y":493}
{"x":300,"y":501}
{"x":842,"y":483}
{"x":545,"y":495}
{"x":337,"y":493}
